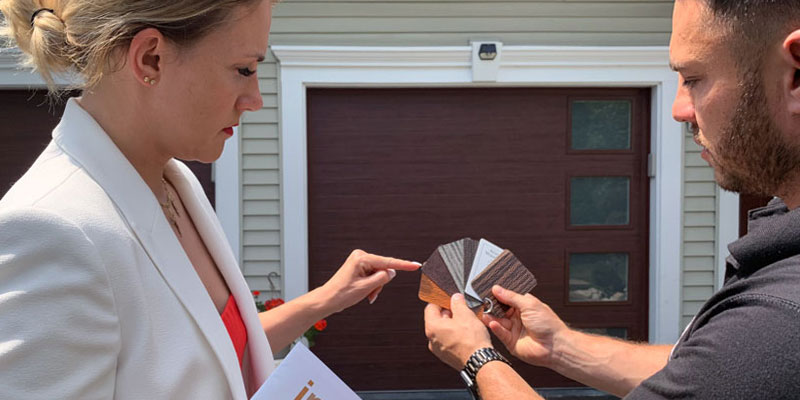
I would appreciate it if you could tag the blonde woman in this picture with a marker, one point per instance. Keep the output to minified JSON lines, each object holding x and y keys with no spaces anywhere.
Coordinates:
{"x":115,"y":277}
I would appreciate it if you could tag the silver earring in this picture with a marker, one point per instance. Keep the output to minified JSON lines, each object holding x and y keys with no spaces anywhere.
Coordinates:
{"x":150,"y":81}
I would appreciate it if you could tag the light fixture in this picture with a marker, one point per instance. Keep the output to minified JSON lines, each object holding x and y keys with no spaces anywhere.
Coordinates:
{"x":487,"y":51}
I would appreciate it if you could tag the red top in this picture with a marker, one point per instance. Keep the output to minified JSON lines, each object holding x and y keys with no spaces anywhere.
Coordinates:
{"x":235,"y":325}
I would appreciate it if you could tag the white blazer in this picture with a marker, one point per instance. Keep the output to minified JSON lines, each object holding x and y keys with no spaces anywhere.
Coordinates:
{"x":98,"y":300}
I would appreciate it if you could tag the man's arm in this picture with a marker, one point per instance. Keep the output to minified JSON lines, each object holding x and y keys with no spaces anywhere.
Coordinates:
{"x":535,"y":334}
{"x":498,"y":381}
{"x":608,"y":364}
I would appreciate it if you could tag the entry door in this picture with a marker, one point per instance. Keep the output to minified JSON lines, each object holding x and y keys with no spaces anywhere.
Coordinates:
{"x":558,"y":176}
{"x":28,"y":119}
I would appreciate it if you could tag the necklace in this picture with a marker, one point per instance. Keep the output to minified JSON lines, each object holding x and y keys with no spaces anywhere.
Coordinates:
{"x":169,"y":208}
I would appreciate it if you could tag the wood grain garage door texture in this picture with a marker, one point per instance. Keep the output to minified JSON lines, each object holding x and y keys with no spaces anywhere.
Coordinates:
{"x":400,"y":171}
{"x":26,"y":125}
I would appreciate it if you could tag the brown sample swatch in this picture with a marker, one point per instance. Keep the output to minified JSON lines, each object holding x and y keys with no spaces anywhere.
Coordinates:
{"x":436,"y":269}
{"x":431,"y":293}
{"x":507,"y":271}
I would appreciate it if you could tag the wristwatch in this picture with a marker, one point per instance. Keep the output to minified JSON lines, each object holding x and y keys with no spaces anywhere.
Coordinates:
{"x":477,"y":360}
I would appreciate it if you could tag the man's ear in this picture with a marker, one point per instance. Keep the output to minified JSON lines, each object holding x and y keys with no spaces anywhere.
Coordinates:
{"x":145,"y":56}
{"x":791,"y":55}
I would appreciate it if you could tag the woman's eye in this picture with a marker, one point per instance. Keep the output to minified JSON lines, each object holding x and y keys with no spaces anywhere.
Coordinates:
{"x":246,"y":71}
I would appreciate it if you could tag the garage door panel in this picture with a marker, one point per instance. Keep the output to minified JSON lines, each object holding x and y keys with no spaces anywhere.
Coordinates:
{"x":400,"y":171}
{"x":28,"y":128}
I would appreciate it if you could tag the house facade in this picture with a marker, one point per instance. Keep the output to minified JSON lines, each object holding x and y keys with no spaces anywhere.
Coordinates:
{"x":353,"y":92}
{"x":543,"y":126}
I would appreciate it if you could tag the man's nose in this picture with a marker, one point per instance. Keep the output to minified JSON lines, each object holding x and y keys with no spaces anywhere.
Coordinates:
{"x":683,"y":108}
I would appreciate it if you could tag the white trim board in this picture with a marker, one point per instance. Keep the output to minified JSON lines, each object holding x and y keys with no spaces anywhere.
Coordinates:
{"x":226,"y":170}
{"x":727,"y":231}
{"x":228,"y":192}
{"x":521,"y":66}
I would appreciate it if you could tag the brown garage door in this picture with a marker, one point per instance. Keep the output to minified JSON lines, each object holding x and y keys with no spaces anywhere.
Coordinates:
{"x":27,"y":123}
{"x":556,"y":175}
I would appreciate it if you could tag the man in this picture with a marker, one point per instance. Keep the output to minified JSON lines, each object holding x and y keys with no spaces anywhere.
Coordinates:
{"x":739,"y":69}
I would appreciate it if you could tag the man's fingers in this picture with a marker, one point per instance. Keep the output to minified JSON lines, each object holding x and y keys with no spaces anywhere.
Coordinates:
{"x":458,"y":306}
{"x":502,"y":333}
{"x":380,"y":262}
{"x":504,"y":322}
{"x":432,"y":312}
{"x":512,"y":298}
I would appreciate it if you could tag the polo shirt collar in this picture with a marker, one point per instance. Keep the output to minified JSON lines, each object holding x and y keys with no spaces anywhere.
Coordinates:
{"x":773,"y":235}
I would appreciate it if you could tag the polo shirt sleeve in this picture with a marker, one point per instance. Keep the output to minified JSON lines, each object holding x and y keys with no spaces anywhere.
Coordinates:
{"x":749,"y":348}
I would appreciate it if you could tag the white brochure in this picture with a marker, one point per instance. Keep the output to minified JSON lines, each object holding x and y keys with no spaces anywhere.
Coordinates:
{"x":486,"y":253}
{"x":302,"y":376}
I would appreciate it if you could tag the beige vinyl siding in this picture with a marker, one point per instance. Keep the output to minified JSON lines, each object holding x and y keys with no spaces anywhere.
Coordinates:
{"x":455,"y":23}
{"x":699,"y":231}
{"x":260,"y":162}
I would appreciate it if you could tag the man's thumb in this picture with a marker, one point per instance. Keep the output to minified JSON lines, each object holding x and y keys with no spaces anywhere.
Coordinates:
{"x":509,"y":297}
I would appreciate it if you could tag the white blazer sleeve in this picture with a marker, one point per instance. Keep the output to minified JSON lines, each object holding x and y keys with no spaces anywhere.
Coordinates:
{"x":59,"y":332}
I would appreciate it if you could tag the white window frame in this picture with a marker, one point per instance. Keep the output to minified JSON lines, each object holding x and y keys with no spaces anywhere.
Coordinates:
{"x":226,"y":170}
{"x":301,"y":67}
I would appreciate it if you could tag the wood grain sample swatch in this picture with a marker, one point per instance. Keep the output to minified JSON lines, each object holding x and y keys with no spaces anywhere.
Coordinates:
{"x":453,"y":256}
{"x":470,"y":248}
{"x":436,"y":269}
{"x":507,"y":271}
{"x":431,"y":293}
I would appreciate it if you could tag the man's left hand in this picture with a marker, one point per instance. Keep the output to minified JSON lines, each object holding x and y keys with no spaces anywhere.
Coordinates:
{"x":454,"y":336}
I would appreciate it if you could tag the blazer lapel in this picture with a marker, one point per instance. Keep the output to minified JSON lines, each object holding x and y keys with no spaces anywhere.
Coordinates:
{"x":211,"y":231}
{"x":84,"y":140}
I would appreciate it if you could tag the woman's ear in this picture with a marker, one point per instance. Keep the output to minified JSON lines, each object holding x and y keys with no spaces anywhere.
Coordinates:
{"x":145,"y":56}
{"x":791,"y":55}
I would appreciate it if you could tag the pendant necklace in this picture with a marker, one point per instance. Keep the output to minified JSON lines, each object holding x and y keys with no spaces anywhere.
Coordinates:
{"x":170,"y":210}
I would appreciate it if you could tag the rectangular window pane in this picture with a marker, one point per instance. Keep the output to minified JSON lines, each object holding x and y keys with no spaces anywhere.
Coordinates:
{"x":601,"y":125}
{"x":602,"y":200}
{"x":598,"y":277}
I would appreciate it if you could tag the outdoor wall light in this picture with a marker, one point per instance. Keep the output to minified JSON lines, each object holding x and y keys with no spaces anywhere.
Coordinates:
{"x":487,"y":51}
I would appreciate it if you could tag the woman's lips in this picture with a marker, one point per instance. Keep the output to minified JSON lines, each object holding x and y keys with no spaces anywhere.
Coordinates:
{"x":229,"y":130}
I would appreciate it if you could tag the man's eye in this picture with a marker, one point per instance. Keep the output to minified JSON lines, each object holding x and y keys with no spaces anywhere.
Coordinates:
{"x":246,"y":71}
{"x":689,"y":82}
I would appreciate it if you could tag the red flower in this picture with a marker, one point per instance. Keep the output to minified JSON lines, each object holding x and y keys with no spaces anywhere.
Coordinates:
{"x":274,"y":303}
{"x":321,"y":325}
{"x":256,"y":293}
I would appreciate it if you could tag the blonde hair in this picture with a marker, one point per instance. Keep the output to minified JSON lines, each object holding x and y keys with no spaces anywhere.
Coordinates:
{"x":82,"y":36}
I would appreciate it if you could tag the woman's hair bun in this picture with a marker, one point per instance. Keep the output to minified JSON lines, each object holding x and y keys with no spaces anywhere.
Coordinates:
{"x":40,"y":34}
{"x":83,"y":36}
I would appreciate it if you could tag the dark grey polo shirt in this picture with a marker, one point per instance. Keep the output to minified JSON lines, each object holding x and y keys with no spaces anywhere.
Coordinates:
{"x":745,"y":341}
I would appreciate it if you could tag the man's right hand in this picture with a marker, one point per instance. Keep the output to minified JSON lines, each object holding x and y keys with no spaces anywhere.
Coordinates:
{"x":536,"y":335}
{"x":531,"y":329}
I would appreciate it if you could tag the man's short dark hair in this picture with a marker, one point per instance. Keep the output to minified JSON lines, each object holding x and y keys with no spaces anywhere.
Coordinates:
{"x":753,"y":25}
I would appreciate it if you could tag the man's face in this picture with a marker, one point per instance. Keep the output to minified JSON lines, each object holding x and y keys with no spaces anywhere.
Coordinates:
{"x":727,"y":106}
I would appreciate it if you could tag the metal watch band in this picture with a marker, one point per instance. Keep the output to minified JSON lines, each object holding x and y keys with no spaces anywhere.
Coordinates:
{"x":477,"y":360}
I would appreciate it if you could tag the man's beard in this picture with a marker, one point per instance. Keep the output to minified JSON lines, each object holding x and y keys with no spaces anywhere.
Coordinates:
{"x":753,"y":157}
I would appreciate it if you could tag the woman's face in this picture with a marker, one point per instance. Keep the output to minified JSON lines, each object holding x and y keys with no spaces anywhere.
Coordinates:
{"x":204,"y":89}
